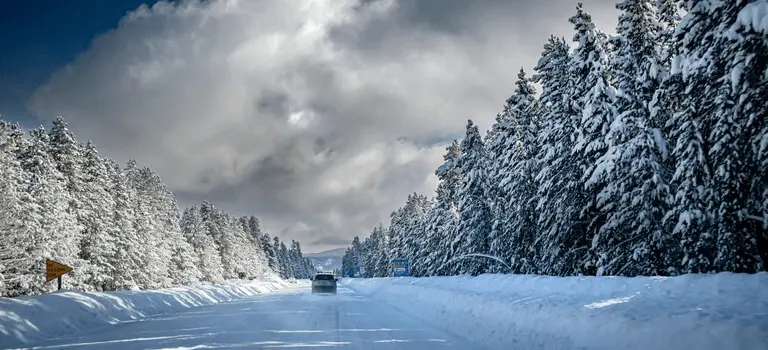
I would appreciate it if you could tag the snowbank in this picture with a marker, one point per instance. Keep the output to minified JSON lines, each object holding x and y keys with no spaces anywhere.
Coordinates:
{"x":722,"y":311}
{"x":27,"y":319}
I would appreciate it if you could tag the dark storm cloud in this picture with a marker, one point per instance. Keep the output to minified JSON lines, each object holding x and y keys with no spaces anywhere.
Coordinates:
{"x":330,"y":241}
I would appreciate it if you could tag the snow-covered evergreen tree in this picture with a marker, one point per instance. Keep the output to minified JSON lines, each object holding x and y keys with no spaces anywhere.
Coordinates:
{"x":631,"y":176}
{"x":269,"y":252}
{"x":368,"y":255}
{"x":474,"y":210}
{"x":561,"y":241}
{"x":738,"y":89}
{"x":99,"y":244}
{"x":691,"y":215}
{"x":356,"y":251}
{"x":209,"y":262}
{"x":442,"y":219}
{"x":407,"y":227}
{"x":149,"y":228}
{"x":594,"y":104}
{"x":281,"y":258}
{"x":253,"y":230}
{"x":298,"y":262}
{"x":515,"y":226}
{"x":16,"y":238}
{"x":51,"y":231}
{"x":746,"y":65}
{"x":501,"y":141}
{"x":346,"y":263}
{"x":666,"y":98}
{"x":382,"y":255}
{"x":119,"y":228}
{"x":663,"y":174}
{"x":67,"y":155}
{"x":130,"y":256}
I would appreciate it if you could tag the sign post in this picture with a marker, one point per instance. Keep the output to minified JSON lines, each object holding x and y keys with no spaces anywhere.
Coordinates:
{"x":54,"y":270}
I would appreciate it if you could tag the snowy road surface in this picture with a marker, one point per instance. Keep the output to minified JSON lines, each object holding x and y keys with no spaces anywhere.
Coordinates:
{"x":293,"y":318}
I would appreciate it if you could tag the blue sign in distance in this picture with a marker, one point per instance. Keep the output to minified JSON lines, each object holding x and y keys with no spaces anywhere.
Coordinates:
{"x":400,"y":268}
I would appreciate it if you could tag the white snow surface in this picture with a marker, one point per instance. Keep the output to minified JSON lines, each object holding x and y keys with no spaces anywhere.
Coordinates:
{"x":28,"y":319}
{"x":754,"y":16}
{"x":719,"y":311}
{"x":288,"y":318}
{"x":722,"y":311}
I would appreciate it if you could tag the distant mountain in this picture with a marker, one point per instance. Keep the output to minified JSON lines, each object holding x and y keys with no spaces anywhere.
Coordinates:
{"x":327,"y":260}
{"x":338,"y":252}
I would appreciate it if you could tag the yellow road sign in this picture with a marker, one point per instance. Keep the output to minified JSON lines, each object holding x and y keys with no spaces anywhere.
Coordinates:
{"x":54,"y":270}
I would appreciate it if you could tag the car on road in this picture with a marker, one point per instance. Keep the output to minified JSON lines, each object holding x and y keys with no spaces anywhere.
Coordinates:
{"x":324,"y":283}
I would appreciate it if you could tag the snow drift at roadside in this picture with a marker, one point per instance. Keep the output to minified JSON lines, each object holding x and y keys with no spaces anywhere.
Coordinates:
{"x":28,"y":319}
{"x":721,"y":311}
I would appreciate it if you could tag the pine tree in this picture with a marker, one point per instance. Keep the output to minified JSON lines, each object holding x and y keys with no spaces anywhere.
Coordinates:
{"x":356,"y":251}
{"x":17,"y":238}
{"x":67,"y":155}
{"x":746,"y":62}
{"x":407,"y":229}
{"x":666,"y":97}
{"x":346,"y":263}
{"x":130,"y":250}
{"x":149,"y":228}
{"x":666,"y":20}
{"x":99,"y":244}
{"x":474,"y":211}
{"x":633,"y":190}
{"x":281,"y":266}
{"x":253,"y":229}
{"x":501,"y":141}
{"x":561,"y":242}
{"x":594,"y":103}
{"x":691,"y":215}
{"x":516,"y":230}
{"x":209,"y":261}
{"x":53,"y":231}
{"x":303,"y":265}
{"x":269,"y":252}
{"x":183,"y":267}
{"x":286,"y":261}
{"x":119,"y":228}
{"x":737,"y":92}
{"x":244,"y":254}
{"x":416,"y":251}
{"x":397,"y":233}
{"x":663,"y":174}
{"x":382,"y":256}
{"x":369,"y":246}
{"x":442,"y":218}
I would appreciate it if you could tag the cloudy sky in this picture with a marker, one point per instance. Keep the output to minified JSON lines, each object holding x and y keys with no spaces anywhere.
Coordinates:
{"x":318,"y":116}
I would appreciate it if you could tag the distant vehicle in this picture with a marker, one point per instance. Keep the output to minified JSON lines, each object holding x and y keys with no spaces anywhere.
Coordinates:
{"x":324,"y":283}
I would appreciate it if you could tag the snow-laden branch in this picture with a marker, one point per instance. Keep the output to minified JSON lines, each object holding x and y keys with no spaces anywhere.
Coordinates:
{"x":475,"y":255}
{"x":763,"y":219}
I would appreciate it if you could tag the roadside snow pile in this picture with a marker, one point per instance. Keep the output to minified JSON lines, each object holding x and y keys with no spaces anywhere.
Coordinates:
{"x":721,"y":311}
{"x":27,"y":319}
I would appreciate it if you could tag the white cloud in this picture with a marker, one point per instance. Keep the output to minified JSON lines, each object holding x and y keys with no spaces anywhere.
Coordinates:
{"x":292,"y":110}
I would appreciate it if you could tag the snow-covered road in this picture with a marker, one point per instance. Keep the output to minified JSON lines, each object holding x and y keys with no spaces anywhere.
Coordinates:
{"x":293,"y":318}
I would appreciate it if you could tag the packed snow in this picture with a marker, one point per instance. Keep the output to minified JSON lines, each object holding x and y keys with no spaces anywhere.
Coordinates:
{"x":289,"y":318}
{"x":28,"y":319}
{"x":721,"y":311}
{"x":755,"y":16}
